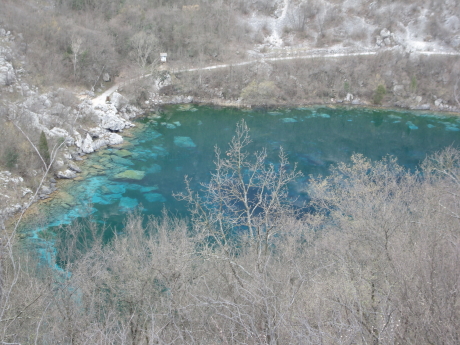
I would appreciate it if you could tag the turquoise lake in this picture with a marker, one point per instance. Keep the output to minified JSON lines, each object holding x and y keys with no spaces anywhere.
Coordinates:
{"x":180,"y":140}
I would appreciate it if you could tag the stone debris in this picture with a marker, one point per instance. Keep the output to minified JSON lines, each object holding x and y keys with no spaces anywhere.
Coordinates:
{"x":14,"y":196}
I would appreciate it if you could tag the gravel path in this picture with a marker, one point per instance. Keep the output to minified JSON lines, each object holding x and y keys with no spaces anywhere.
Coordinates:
{"x":290,"y":55}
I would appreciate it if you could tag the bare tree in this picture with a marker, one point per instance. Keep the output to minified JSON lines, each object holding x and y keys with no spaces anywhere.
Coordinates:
{"x":144,"y":45}
{"x":76,"y":46}
{"x":456,"y":92}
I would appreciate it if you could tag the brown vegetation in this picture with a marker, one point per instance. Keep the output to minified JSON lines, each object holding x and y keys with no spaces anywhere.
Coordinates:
{"x":374,"y":263}
{"x":317,"y":80}
{"x":75,"y":41}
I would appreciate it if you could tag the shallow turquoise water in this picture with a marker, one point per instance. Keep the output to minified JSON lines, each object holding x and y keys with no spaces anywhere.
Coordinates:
{"x":182,"y":142}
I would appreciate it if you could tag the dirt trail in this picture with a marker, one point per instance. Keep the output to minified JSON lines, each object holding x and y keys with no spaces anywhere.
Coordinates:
{"x":291,"y":55}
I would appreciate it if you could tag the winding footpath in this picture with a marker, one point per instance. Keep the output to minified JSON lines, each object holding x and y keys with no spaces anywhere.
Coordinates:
{"x":291,"y":55}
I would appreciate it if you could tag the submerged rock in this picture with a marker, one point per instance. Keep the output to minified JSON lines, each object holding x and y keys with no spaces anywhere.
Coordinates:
{"x":123,"y":153}
{"x":159,"y":150}
{"x":289,"y":120}
{"x":130,"y":175}
{"x":155,"y":168}
{"x":106,"y":199}
{"x":452,"y":128}
{"x":105,"y":190}
{"x":121,"y":161}
{"x":65,"y":198}
{"x":115,"y":189}
{"x":184,"y":142}
{"x":411,"y":125}
{"x":148,"y":189}
{"x":128,"y":203}
{"x":154,"y":197}
{"x":186,"y":107}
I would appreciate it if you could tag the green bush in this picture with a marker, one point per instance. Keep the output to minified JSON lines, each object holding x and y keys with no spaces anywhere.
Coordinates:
{"x":43,"y":148}
{"x":379,"y":94}
{"x":413,"y":84}
{"x":10,"y":157}
{"x":259,"y":93}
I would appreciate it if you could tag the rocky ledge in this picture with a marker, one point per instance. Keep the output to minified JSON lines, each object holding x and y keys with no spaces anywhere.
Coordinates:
{"x":63,"y":116}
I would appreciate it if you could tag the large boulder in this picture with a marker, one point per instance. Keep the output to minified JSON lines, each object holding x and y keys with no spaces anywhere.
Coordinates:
{"x":107,"y":139}
{"x":106,"y":77}
{"x":113,"y":138}
{"x":78,"y":139}
{"x":74,"y":167}
{"x":87,"y":144}
{"x":97,"y":132}
{"x":385,"y":33}
{"x":118,"y":100}
{"x":109,"y":119}
{"x":112,"y":122}
{"x":66,"y":174}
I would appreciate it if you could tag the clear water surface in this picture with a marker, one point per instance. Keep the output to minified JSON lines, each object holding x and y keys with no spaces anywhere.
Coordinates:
{"x":144,"y":173}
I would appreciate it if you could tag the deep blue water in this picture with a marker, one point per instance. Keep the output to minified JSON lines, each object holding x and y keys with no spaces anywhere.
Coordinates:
{"x":162,"y":150}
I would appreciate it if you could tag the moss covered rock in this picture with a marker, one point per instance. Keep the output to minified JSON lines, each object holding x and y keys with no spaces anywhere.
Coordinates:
{"x":130,"y":175}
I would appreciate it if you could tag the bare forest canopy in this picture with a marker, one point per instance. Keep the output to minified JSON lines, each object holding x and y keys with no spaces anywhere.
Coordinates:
{"x":376,"y":262}
{"x":76,"y":40}
{"x":105,"y":34}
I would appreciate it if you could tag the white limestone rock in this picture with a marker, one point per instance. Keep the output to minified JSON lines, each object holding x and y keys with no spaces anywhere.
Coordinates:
{"x":87,"y":145}
{"x":97,"y":132}
{"x":74,"y":167}
{"x":58,"y":133}
{"x":113,"y":138}
{"x":7,"y":76}
{"x":66,"y":174}
{"x":109,"y":119}
{"x":113,"y":123}
{"x":118,"y":100}
{"x":107,"y":139}
{"x":45,"y":190}
{"x":78,"y":139}
{"x":58,"y":163}
{"x":385,"y":33}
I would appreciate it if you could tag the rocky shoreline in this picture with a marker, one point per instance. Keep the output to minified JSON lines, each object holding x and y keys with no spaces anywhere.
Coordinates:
{"x":80,"y":127}
{"x":114,"y":118}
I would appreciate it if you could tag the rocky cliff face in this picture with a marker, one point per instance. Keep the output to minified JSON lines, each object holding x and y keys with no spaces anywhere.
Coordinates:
{"x":67,"y":119}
